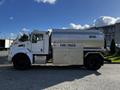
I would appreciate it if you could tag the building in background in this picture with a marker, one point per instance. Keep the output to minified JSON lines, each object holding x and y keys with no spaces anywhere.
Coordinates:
{"x":117,"y":34}
{"x":110,"y":32}
{"x":5,"y":43}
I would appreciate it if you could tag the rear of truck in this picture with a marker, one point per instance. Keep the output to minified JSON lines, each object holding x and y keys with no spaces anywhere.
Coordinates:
{"x":78,"y":47}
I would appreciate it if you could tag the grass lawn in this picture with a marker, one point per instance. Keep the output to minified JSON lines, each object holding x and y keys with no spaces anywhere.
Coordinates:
{"x":114,"y":58}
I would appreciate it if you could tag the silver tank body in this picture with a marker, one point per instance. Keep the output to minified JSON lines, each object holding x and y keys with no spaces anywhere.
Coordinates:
{"x":87,"y":38}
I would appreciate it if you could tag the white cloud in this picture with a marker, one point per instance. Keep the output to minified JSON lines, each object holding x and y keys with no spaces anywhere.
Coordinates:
{"x":99,"y":22}
{"x":75,"y":26}
{"x":46,"y":1}
{"x":11,"y":18}
{"x":118,"y":20}
{"x":86,"y":26}
{"x":1,"y":2}
{"x":104,"y":21}
{"x":78,"y":26}
{"x":64,"y":28}
{"x":13,"y":35}
{"x":25,"y":29}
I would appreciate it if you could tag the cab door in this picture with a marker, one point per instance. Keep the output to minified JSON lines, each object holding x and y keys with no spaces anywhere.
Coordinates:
{"x":38,"y":43}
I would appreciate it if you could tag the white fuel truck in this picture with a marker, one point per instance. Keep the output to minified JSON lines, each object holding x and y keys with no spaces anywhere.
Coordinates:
{"x":62,"y":47}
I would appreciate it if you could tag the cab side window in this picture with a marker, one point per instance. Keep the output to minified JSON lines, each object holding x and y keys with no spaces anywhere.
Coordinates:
{"x":37,"y":37}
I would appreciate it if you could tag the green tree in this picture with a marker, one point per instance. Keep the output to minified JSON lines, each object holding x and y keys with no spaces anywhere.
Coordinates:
{"x":112,"y":47}
{"x":105,"y":44}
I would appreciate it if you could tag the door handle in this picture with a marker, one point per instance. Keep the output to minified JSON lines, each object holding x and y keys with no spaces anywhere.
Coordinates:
{"x":41,"y":50}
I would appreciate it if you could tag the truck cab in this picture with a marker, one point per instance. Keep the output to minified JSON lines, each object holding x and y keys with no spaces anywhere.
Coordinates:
{"x":40,"y":42}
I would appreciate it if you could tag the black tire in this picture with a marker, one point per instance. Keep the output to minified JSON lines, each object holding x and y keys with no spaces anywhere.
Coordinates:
{"x":93,"y":62}
{"x":21,"y":62}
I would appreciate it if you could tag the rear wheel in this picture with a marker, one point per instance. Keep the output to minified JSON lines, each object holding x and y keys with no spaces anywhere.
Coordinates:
{"x":21,"y":62}
{"x":93,"y":62}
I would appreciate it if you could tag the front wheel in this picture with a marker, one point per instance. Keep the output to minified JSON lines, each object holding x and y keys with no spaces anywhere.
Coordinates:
{"x":21,"y":62}
{"x":93,"y":62}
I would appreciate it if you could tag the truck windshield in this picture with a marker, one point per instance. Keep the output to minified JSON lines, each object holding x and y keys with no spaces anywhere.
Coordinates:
{"x":23,"y":38}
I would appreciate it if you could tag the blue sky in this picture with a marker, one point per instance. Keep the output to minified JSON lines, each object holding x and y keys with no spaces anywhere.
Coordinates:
{"x":35,"y":14}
